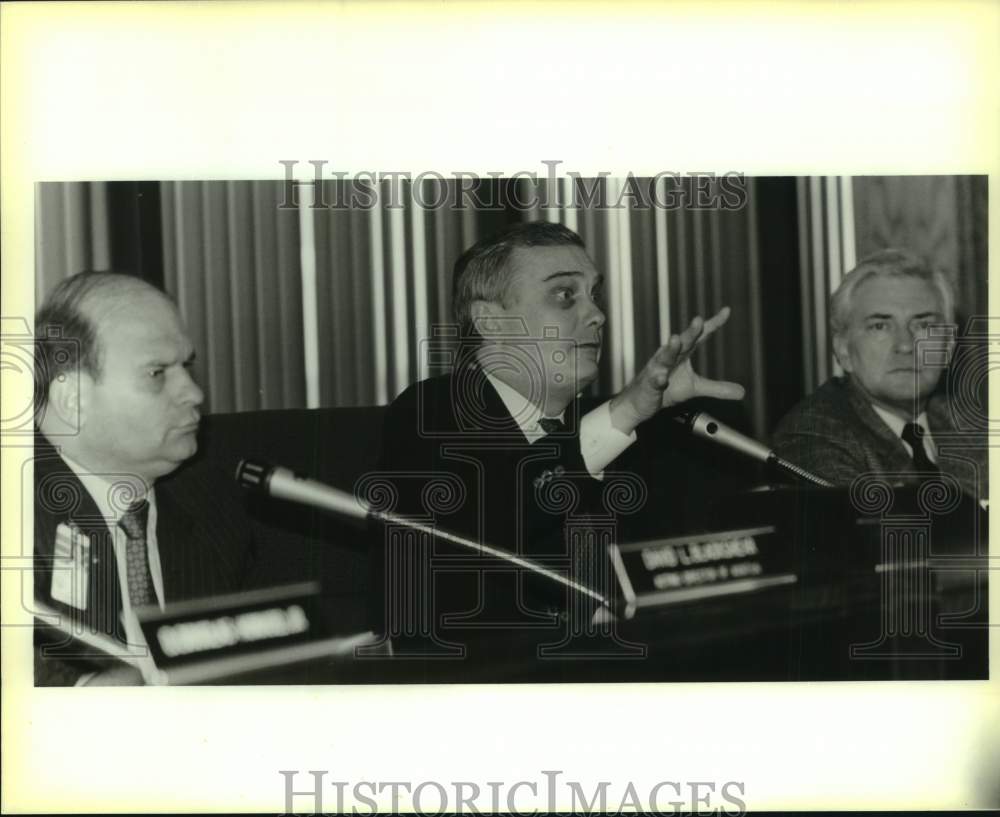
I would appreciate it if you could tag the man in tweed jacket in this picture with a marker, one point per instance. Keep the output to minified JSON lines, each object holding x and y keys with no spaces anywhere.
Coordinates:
{"x":887,"y":318}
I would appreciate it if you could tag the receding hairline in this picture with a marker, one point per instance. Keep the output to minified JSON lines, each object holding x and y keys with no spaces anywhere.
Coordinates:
{"x":114,"y":294}
{"x":109,"y":302}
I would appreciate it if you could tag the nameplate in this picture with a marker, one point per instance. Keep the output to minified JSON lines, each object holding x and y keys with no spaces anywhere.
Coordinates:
{"x":702,"y":566}
{"x":205,"y":640}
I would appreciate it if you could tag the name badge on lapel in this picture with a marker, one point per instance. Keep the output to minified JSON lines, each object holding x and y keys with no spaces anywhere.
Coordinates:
{"x":71,"y":568}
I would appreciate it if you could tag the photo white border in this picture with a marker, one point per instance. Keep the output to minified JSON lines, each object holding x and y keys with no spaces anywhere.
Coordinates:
{"x":226,"y":90}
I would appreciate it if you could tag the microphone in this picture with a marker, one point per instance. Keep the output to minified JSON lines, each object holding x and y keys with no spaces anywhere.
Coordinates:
{"x":705,"y":425}
{"x":282,"y":483}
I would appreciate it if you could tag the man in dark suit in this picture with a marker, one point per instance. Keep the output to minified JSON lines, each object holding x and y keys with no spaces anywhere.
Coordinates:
{"x":502,"y":450}
{"x":118,"y":524}
{"x":888,"y":415}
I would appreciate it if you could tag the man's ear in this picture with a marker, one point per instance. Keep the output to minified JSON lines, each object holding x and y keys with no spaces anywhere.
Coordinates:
{"x":68,"y":397}
{"x":842,"y":352}
{"x":486,"y":317}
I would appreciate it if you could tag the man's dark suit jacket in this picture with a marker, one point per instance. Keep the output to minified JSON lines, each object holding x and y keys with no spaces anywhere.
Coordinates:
{"x":203,"y":538}
{"x":456,"y":457}
{"x":836,"y":434}
{"x":453,"y":455}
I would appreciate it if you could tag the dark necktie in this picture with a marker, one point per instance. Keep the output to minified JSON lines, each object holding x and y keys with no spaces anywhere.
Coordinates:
{"x":914,"y":435}
{"x":550,"y":425}
{"x":140,"y":580}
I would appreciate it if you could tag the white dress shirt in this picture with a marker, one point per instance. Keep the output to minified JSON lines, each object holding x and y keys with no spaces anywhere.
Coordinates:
{"x":600,"y":441}
{"x":897,"y":424}
{"x":100,"y":489}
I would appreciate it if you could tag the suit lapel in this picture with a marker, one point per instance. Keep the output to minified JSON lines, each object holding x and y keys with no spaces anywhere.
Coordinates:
{"x":893,"y":450}
{"x":492,"y":413}
{"x":62,"y":500}
{"x":174,"y":527}
{"x":487,"y":416}
{"x":939,"y":416}
{"x":194,"y":534}
{"x":894,"y":453}
{"x":962,"y":454}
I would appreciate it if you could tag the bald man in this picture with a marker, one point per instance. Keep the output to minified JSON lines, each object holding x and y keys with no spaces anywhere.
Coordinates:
{"x":118,"y":524}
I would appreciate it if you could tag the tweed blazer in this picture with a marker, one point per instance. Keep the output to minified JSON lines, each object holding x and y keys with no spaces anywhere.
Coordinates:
{"x":836,"y":434}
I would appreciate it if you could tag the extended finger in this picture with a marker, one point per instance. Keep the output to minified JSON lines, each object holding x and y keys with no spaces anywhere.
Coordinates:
{"x":720,"y":389}
{"x":716,"y":321}
{"x":706,"y":328}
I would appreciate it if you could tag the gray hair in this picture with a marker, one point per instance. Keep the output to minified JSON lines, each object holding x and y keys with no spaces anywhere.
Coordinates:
{"x":483,"y":273}
{"x":888,"y":262}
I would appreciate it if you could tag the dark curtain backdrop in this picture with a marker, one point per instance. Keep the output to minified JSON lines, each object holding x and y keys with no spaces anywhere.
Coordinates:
{"x":294,"y":306}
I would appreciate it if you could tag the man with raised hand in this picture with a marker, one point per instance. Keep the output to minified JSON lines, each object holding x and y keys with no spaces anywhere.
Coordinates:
{"x":507,"y":423}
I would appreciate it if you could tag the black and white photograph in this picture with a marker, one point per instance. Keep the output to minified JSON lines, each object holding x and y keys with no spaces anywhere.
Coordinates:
{"x":512,"y":430}
{"x":317,"y":444}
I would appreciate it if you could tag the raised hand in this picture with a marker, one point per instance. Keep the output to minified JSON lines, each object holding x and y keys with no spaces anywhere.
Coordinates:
{"x":668,"y":378}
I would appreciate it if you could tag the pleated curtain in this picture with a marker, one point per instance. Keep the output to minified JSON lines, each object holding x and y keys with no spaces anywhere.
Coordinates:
{"x":291,"y":305}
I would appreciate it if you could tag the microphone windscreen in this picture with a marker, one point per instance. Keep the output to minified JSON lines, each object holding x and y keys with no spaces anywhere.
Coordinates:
{"x":253,"y":475}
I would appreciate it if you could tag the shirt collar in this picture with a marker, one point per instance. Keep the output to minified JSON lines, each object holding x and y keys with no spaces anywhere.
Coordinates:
{"x":525,"y":413}
{"x":897,"y":424}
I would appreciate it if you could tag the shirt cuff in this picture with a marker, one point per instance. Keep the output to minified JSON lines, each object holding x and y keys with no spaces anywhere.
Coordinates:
{"x":600,"y":442}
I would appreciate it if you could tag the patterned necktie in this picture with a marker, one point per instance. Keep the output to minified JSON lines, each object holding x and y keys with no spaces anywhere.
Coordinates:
{"x":140,"y":581}
{"x":550,"y":425}
{"x":914,"y":435}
